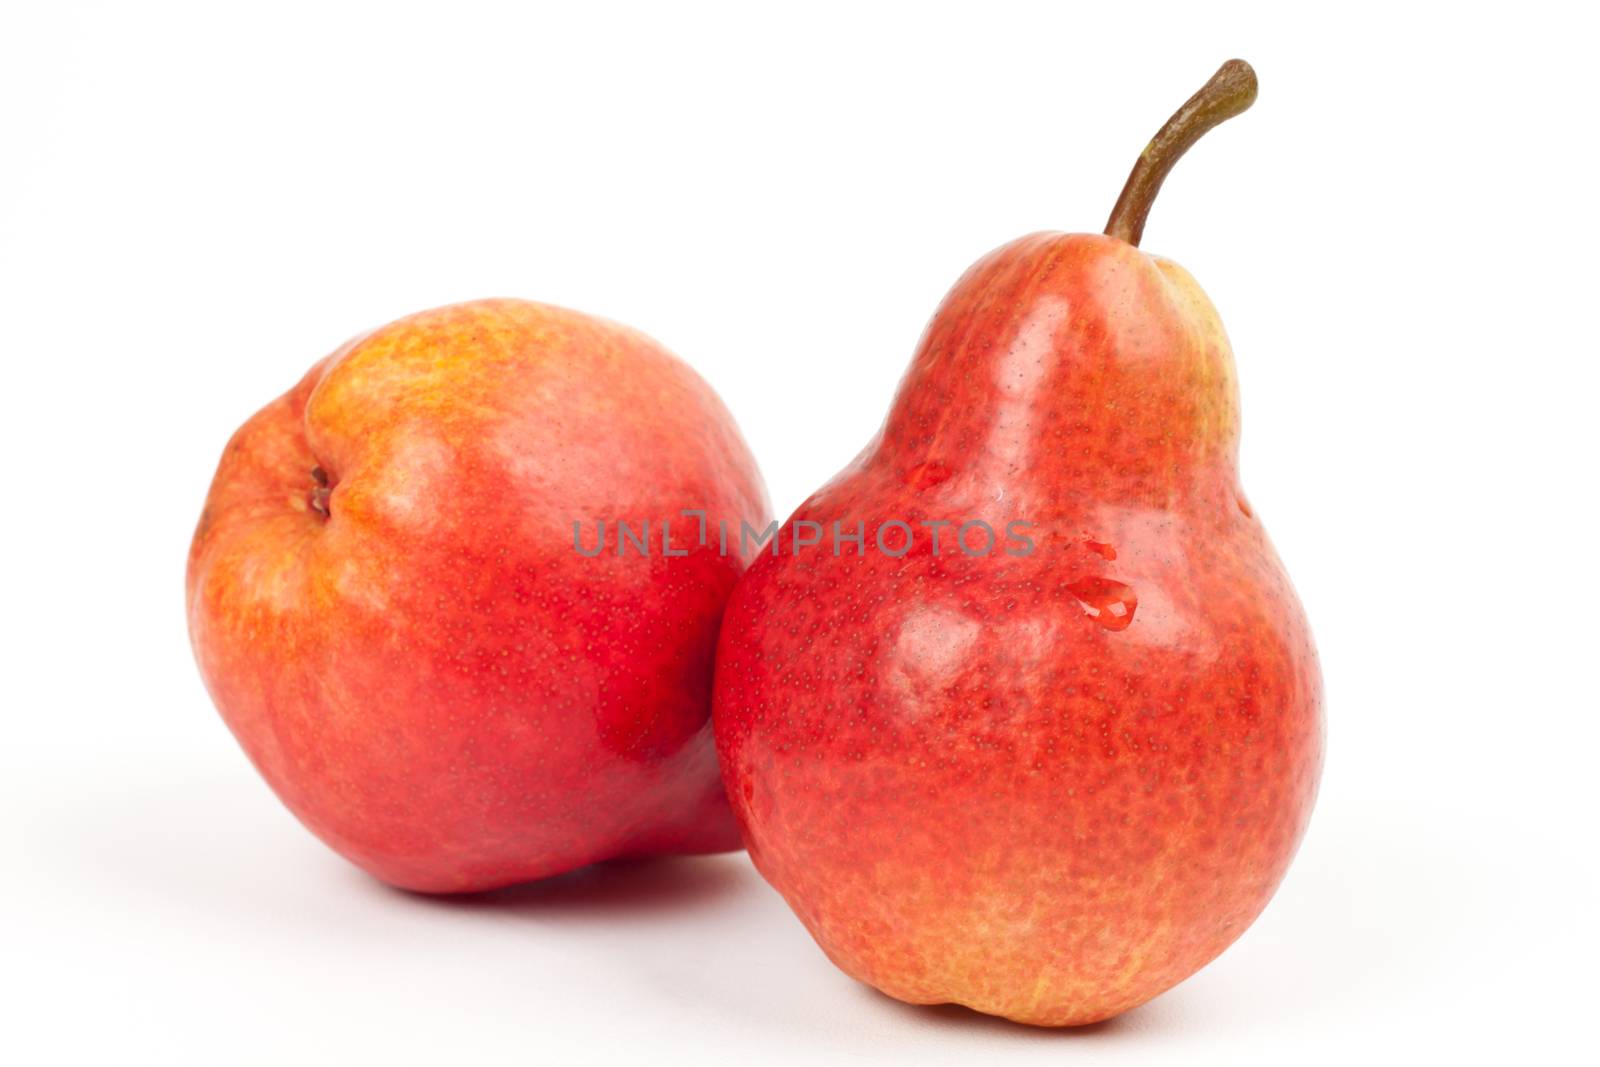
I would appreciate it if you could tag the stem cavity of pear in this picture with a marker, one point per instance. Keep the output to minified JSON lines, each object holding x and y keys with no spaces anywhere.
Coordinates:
{"x":320,"y":492}
{"x":1231,"y":91}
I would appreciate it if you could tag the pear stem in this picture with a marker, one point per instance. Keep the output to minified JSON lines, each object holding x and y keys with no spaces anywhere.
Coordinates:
{"x":1231,"y":90}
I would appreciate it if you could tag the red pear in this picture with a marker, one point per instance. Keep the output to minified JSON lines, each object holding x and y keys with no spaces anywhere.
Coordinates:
{"x":390,"y":610}
{"x":1043,"y":738}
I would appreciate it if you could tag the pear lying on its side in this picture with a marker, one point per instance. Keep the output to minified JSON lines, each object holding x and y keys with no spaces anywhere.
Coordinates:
{"x":387,"y":608}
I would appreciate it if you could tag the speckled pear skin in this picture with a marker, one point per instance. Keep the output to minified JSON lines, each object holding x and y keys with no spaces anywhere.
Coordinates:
{"x":1050,"y":786}
{"x":414,"y":655}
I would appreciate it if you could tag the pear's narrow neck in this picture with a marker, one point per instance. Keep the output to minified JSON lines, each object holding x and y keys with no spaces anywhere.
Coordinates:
{"x":1071,"y":361}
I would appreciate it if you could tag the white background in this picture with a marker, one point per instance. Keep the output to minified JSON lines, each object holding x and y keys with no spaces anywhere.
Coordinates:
{"x":197,"y":202}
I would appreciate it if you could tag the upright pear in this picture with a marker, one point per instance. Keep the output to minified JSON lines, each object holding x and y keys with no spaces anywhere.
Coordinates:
{"x":1035,"y":726}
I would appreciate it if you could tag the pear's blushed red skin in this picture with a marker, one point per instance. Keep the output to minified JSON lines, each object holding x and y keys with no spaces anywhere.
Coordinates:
{"x":430,"y":676}
{"x":1047,"y":787}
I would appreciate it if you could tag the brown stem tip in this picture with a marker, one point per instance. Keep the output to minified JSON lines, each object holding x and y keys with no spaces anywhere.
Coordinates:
{"x":1231,"y":91}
